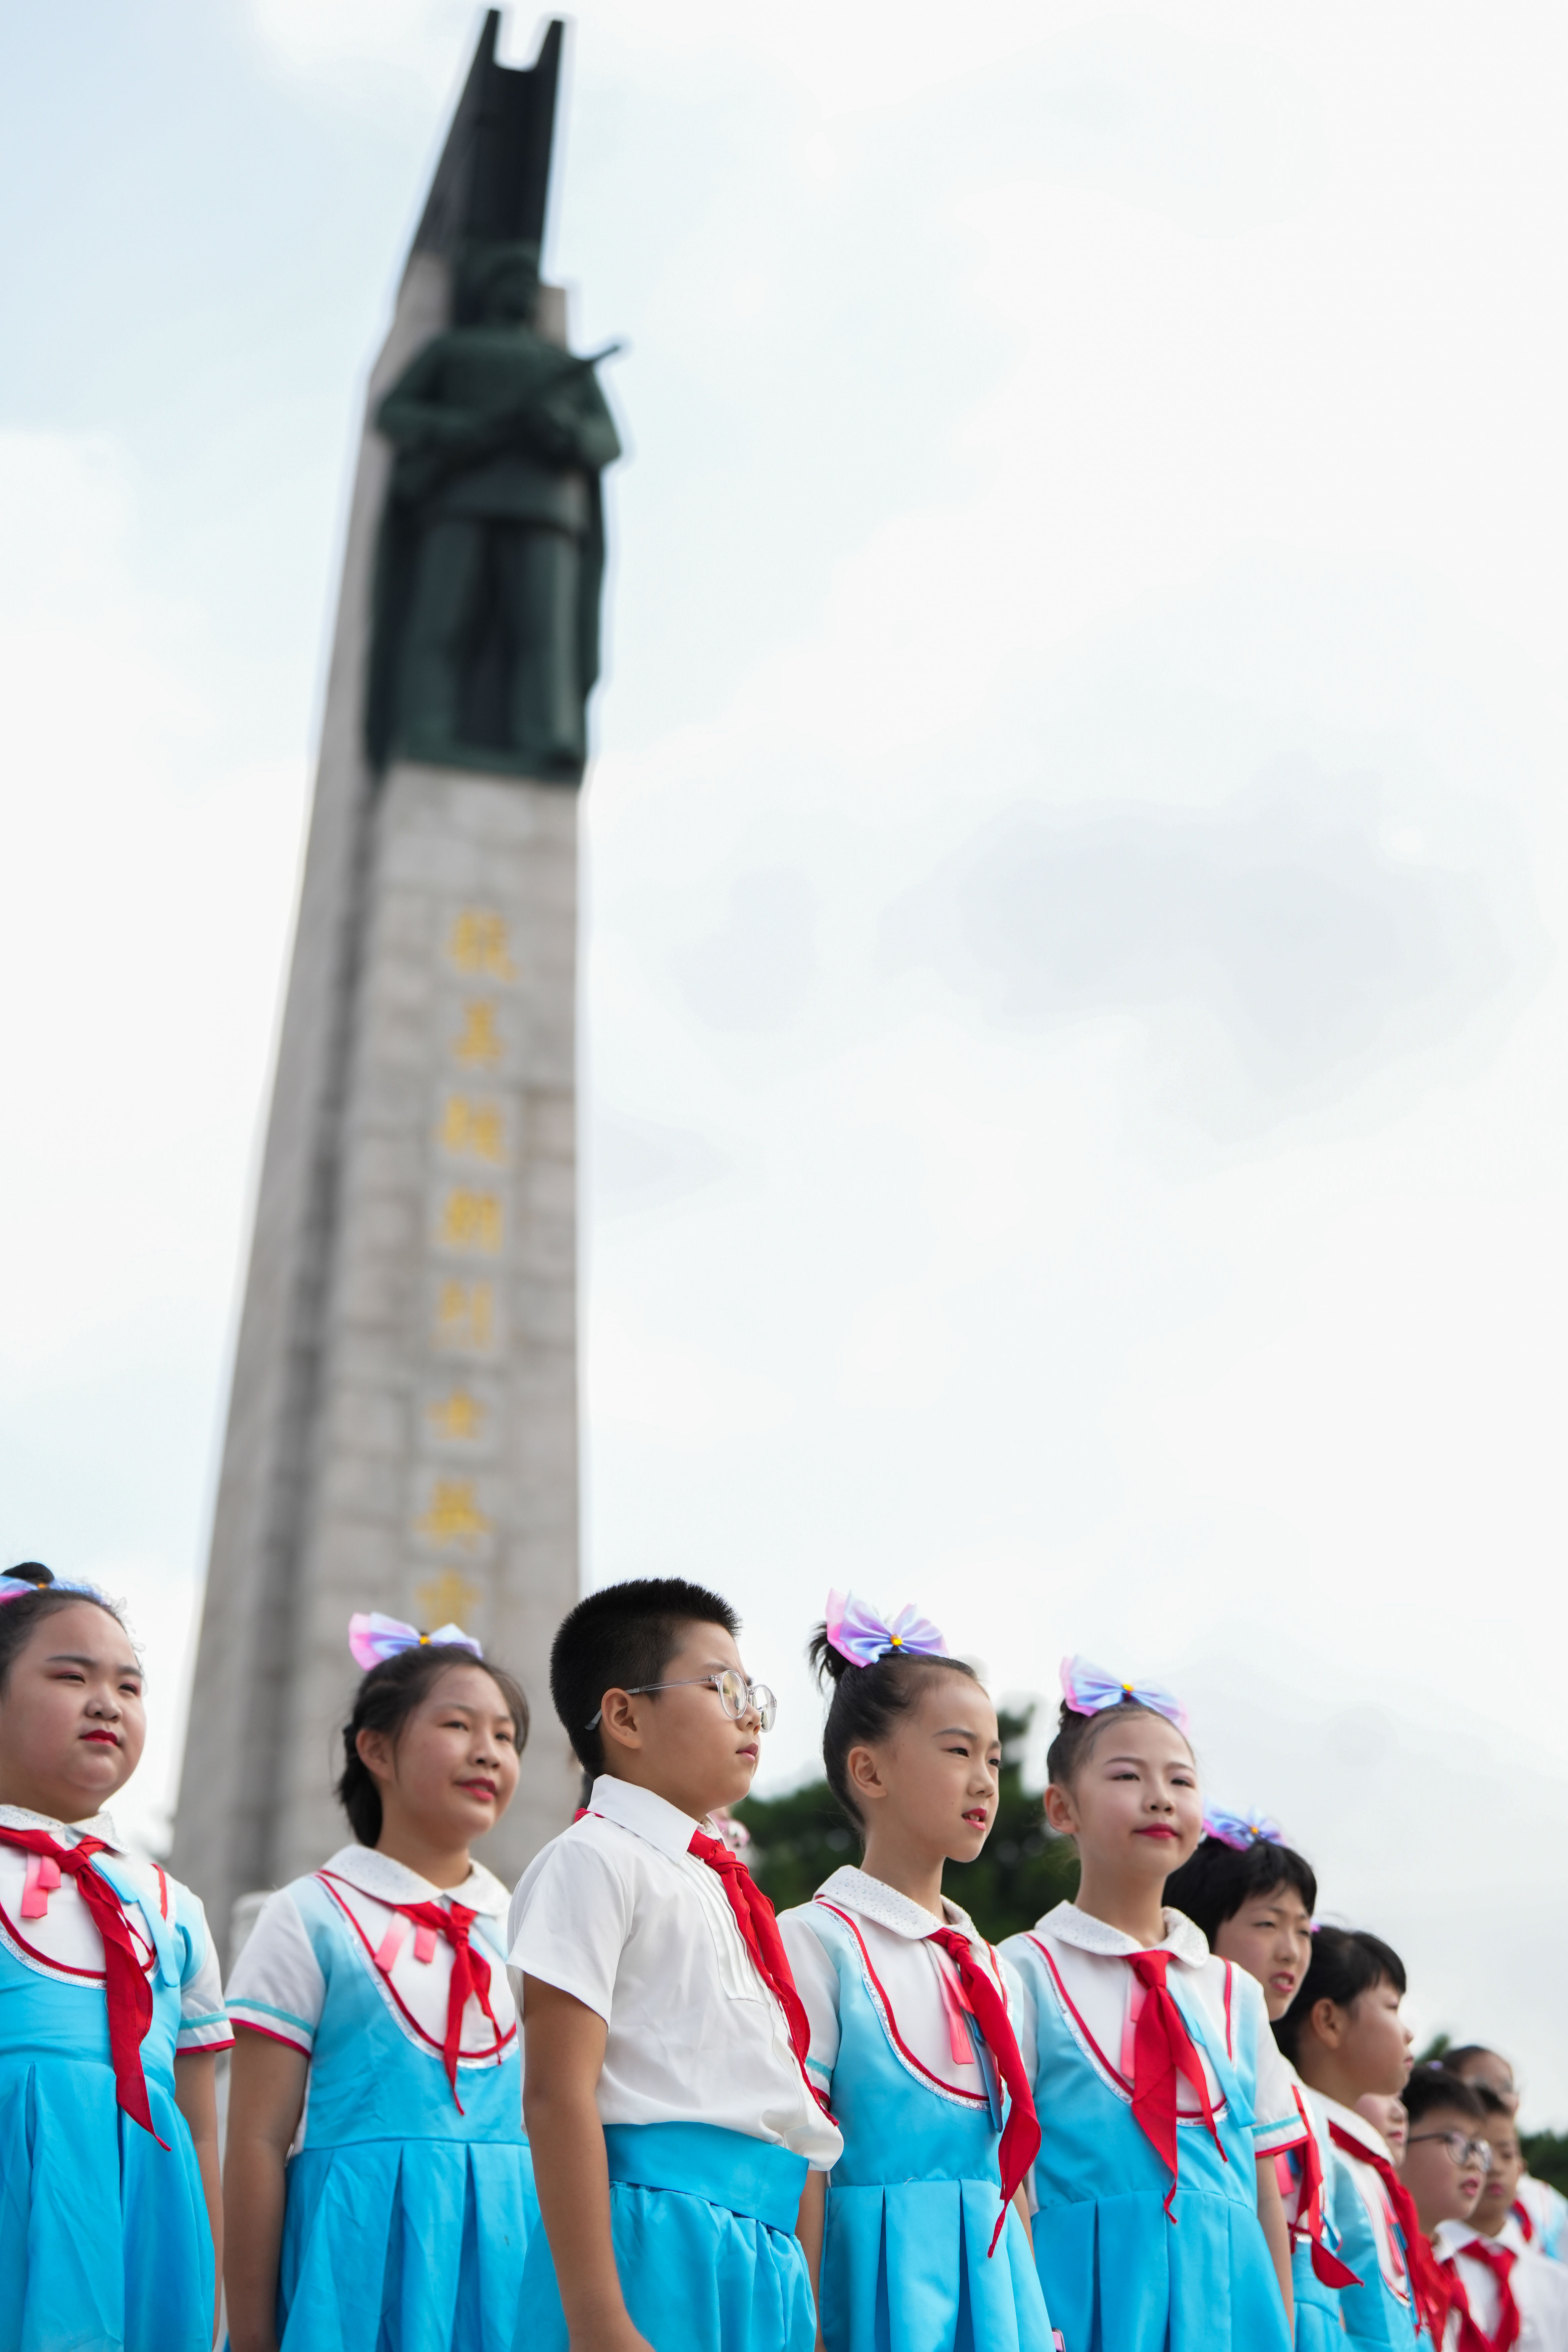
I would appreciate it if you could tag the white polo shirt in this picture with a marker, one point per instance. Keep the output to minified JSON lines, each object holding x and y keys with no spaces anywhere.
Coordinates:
{"x":911,"y":1980}
{"x":1103,"y":1999}
{"x":616,"y":1912}
{"x":1540,"y":2286}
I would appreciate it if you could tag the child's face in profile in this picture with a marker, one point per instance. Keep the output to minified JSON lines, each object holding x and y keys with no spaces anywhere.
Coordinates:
{"x":1374,"y":2041}
{"x":1389,"y":2116}
{"x":1270,"y":1937}
{"x":679,"y":1741}
{"x":1441,"y":2168}
{"x":1501,"y":2185}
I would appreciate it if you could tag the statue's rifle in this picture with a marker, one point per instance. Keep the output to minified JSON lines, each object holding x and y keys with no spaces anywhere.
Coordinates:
{"x":421,"y":471}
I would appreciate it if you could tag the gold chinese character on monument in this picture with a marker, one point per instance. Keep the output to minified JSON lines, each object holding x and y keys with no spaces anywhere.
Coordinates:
{"x":465,"y":1315}
{"x":447,"y":1598}
{"x":458,"y":1416}
{"x":454,"y":1516}
{"x":471,"y":1129}
{"x":470,"y":1221}
{"x":477,"y":1045}
{"x":479,"y":943}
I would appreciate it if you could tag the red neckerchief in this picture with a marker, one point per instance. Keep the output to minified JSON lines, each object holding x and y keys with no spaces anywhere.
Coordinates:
{"x":1021,"y":2132}
{"x":759,"y":1932}
{"x":1499,"y":2261}
{"x":1326,"y":2267}
{"x":1428,"y":2287}
{"x":1162,"y":2049}
{"x":467,"y":1979}
{"x":126,"y":1990}
{"x":1527,"y":2227}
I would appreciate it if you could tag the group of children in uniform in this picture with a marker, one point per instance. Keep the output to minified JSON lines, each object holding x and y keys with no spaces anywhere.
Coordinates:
{"x":1173,"y":2116}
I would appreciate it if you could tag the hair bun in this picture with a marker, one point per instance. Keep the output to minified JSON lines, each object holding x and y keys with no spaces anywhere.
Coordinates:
{"x":827,"y":1663}
{"x":32,"y":1571}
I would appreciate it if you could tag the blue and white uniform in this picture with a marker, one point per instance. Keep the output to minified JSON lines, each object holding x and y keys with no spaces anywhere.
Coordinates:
{"x":711,"y":2125}
{"x":105,"y":2233}
{"x":1541,"y":2211}
{"x":408,"y":2216}
{"x":1538,"y":2284}
{"x":1380,"y":2312}
{"x":1127,"y":2265}
{"x":1318,"y":2324}
{"x":913,"y":2201}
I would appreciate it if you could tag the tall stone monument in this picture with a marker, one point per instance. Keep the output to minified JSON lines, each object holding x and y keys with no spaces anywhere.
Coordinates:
{"x":402,"y":1430}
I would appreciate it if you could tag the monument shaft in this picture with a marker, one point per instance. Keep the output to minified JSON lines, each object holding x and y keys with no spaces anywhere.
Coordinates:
{"x":402,"y":1433}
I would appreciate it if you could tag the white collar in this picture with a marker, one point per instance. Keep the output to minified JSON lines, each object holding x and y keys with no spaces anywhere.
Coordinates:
{"x":853,"y":1890}
{"x":1356,"y":2127}
{"x":646,"y":1816}
{"x":1456,"y":2237}
{"x":1184,"y":1942}
{"x":100,"y":1825}
{"x":386,"y":1880}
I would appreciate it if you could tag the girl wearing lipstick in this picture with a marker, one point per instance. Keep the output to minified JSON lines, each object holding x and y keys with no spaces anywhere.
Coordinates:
{"x":913,"y":2038}
{"x":110,"y":2007}
{"x":1159,"y":2225}
{"x":1254,"y":1897}
{"x":378,"y":2185}
{"x":1346,"y":2038}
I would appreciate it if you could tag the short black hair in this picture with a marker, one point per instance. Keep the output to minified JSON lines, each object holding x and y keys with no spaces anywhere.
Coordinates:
{"x":1217,"y":1880}
{"x":1456,"y":2061}
{"x":1345,"y":1963}
{"x":1433,"y":2086}
{"x":622,"y":1638}
{"x":1075,"y":1735}
{"x":386,"y":1697}
{"x":1492,"y":2103}
{"x":867,"y":1702}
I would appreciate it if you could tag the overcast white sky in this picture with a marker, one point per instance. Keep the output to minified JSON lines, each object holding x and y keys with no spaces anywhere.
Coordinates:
{"x":1076,"y":860}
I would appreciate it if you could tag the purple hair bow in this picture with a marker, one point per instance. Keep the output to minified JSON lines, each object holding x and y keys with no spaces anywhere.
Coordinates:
{"x":375,"y":1638}
{"x":1242,"y":1829}
{"x":1090,"y":1690}
{"x":14,"y":1588}
{"x":857,"y":1634}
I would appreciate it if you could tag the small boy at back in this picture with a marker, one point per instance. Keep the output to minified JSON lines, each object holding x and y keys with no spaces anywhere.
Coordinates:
{"x":671,"y":2119}
{"x":1508,"y":2294}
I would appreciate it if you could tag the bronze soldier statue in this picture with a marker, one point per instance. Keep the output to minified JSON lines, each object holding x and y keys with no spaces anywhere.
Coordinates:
{"x":493,"y":548}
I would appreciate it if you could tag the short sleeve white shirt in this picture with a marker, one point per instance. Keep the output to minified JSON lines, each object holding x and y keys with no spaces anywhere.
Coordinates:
{"x":278,"y":1986}
{"x":63,"y":1941}
{"x":616,"y":1912}
{"x":1089,"y":1959}
{"x":913,"y":1981}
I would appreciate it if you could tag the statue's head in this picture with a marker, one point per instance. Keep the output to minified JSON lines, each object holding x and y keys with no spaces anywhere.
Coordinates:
{"x":497,"y":284}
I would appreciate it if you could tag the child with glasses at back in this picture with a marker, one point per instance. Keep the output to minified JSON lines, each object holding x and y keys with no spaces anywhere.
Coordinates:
{"x":1503,"y":2293}
{"x":672,"y":2120}
{"x":1540,"y":2211}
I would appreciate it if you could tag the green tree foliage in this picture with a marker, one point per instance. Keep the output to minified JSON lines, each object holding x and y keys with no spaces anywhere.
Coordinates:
{"x":1546,"y":2153}
{"x":799,"y":1839}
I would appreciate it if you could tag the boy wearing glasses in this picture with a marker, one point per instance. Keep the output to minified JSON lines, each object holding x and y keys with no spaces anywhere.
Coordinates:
{"x":665,"y":2092}
{"x":1508,"y":2294}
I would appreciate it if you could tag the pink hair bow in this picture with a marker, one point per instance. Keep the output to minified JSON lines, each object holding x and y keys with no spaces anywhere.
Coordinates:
{"x":857,"y":1634}
{"x":1090,"y":1690}
{"x":375,"y":1638}
{"x":1242,"y":1829}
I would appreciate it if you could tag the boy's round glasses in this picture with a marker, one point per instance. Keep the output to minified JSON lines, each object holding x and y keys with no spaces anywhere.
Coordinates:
{"x":1463,"y":2151}
{"x":737,"y":1697}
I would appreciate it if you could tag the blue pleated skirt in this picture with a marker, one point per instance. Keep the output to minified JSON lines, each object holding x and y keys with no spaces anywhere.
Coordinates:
{"x":905,"y":2269}
{"x":104,"y":2242}
{"x":404,"y":2245}
{"x":1121,"y":2277}
{"x":697,"y":2275}
{"x":1318,"y":2326}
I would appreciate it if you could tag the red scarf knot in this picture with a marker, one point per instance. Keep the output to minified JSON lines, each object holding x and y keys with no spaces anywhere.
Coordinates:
{"x":1162,"y":2050}
{"x":1021,"y":2132}
{"x":127,"y":1993}
{"x":431,"y":1920}
{"x":1499,"y":2261}
{"x":759,"y":1932}
{"x":1327,"y":2268}
{"x":1428,"y":2288}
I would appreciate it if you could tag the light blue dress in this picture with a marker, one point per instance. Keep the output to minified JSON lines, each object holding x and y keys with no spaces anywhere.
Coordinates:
{"x":408,"y":2217}
{"x":1121,"y":2272}
{"x":913,"y":2202}
{"x":1380,"y":2312}
{"x":104,"y":2235}
{"x":1320,"y":2324}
